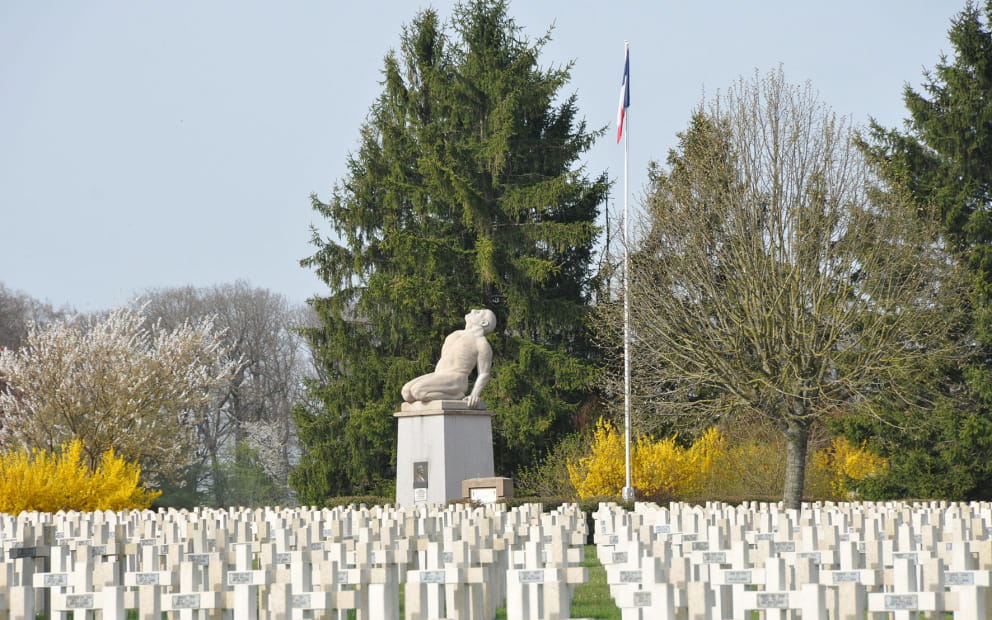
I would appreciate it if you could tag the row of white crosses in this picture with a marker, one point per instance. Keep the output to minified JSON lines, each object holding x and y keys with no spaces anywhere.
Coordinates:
{"x":834,"y":561}
{"x":459,"y":561}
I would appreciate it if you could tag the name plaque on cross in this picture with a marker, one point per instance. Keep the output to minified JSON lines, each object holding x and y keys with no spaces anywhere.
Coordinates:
{"x":772,"y":600}
{"x":959,"y":578}
{"x":20,"y":553}
{"x":55,"y":580}
{"x":79,"y":601}
{"x":901,"y":601}
{"x":241,"y":578}
{"x":531,"y":576}
{"x":146,"y":579}
{"x":185,"y":601}
{"x":631,"y":576}
{"x":737,"y":576}
{"x":300,"y":601}
{"x":432,"y":576}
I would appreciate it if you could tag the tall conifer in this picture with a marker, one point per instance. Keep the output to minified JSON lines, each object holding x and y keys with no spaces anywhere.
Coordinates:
{"x":465,"y":192}
{"x":943,"y":157}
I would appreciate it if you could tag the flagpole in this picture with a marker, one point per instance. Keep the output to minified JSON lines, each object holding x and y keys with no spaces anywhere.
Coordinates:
{"x":628,"y":489}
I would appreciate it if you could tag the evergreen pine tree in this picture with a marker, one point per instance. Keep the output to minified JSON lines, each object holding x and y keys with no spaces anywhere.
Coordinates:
{"x":465,"y":192}
{"x":944,"y":159}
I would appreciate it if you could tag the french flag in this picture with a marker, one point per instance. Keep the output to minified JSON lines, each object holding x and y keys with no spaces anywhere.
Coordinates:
{"x":624,"y":93}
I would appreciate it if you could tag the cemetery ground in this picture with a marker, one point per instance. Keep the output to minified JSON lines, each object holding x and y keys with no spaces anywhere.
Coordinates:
{"x":714,"y":561}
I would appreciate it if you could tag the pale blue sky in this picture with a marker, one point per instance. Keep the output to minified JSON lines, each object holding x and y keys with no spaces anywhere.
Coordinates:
{"x":149,"y":144}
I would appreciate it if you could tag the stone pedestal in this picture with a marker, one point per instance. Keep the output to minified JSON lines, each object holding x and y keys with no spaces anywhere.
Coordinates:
{"x":441,"y":443}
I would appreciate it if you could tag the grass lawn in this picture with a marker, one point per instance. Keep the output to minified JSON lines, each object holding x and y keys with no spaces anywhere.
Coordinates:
{"x":592,"y":599}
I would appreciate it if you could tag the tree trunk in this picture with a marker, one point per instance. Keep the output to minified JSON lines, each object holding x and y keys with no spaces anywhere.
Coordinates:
{"x":796,"y":440}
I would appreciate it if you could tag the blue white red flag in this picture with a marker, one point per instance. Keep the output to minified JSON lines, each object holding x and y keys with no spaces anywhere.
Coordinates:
{"x":624,"y":94}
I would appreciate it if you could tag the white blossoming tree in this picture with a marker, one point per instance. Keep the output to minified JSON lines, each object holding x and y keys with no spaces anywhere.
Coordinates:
{"x":113,"y":382}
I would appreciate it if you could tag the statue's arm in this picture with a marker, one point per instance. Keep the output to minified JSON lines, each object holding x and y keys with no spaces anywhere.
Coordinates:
{"x":484,"y":363}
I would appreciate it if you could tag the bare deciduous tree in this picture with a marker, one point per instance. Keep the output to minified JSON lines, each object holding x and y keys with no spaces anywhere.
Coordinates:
{"x":18,"y":311}
{"x":259,"y":328}
{"x":774,"y":278}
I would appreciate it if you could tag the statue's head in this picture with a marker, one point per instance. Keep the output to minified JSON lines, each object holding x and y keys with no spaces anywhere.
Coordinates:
{"x":483,"y":317}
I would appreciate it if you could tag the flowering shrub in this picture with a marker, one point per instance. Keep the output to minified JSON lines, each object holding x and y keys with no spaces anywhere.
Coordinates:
{"x":52,"y":481}
{"x":712,"y":466}
{"x":843,"y":465}
{"x":659,"y":469}
{"x":113,"y":382}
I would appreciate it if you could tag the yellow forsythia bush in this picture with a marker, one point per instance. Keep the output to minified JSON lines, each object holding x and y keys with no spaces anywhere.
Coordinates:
{"x":48,"y":482}
{"x":659,"y":469}
{"x":841,"y":465}
{"x":713,"y":467}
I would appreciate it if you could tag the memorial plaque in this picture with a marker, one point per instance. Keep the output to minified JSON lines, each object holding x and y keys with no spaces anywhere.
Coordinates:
{"x":642,"y":598}
{"x":241,"y":578}
{"x":342,"y":577}
{"x":663,"y":529}
{"x":619,"y":557}
{"x":715,"y":557}
{"x":631,"y":576}
{"x":201,"y":559}
{"x":690,"y":537}
{"x":737,"y":576}
{"x":614,"y":540}
{"x":98,"y":550}
{"x":905,"y":555}
{"x":147,"y":542}
{"x":772,"y":600}
{"x":447,"y":557}
{"x":420,"y":495}
{"x":185,"y":601}
{"x":79,"y":601}
{"x":784,"y":547}
{"x":847,"y":576}
{"x":902,"y":601}
{"x":432,"y":576}
{"x":531,"y":576}
{"x":420,"y":475}
{"x":764,"y":536}
{"x":146,"y":579}
{"x":700,"y":545}
{"x":55,"y":580}
{"x":959,"y":578}
{"x":315,"y":546}
{"x":283,"y":558}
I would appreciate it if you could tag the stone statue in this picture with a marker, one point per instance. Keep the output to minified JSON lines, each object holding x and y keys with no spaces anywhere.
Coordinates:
{"x":462,"y":351}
